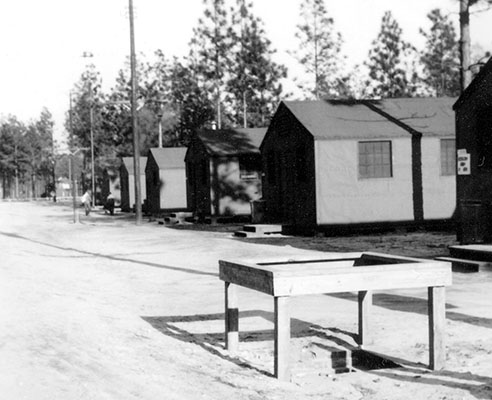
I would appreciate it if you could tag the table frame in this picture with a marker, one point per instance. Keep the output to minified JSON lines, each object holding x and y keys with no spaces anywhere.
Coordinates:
{"x":283,"y":279}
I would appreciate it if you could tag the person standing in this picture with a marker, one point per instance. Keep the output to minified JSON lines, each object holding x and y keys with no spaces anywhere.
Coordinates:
{"x":86,"y":201}
{"x":109,"y":205}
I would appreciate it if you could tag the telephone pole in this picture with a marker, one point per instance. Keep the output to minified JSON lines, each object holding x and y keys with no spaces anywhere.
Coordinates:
{"x":136,"y":137}
{"x":88,"y":54}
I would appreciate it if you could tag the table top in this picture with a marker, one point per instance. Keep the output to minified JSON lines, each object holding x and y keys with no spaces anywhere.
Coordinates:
{"x":332,"y":273}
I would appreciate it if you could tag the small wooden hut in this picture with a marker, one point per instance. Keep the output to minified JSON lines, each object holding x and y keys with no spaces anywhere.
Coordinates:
{"x":335,"y":164}
{"x":473,"y":112}
{"x":223,"y":170}
{"x":166,"y":179}
{"x":127,"y":182}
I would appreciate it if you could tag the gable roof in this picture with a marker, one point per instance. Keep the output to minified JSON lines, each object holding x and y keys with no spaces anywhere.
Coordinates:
{"x":128,"y":163}
{"x":334,"y":119}
{"x":430,"y":116}
{"x":475,"y":84}
{"x":374,"y":119}
{"x":169,"y":157}
{"x":225,"y":142}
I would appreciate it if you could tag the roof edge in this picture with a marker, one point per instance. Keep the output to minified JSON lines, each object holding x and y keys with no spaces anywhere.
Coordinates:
{"x":475,"y":82}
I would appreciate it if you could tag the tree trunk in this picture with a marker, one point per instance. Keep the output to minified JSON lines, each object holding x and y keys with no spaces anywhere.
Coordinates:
{"x":33,"y":186}
{"x":4,"y":188}
{"x":465,"y":43}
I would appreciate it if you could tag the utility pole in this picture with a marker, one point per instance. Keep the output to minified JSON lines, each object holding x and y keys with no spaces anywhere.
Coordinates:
{"x":160,"y":115}
{"x":245,"y":112}
{"x":136,"y":137}
{"x":72,"y":166}
{"x":87,"y":54}
{"x":465,"y":77}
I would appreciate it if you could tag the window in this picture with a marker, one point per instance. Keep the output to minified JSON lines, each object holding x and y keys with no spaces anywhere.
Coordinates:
{"x":248,"y":167}
{"x":448,"y":157}
{"x":375,"y":159}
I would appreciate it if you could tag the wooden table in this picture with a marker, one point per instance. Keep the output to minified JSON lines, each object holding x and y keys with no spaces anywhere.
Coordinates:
{"x":363,"y":274}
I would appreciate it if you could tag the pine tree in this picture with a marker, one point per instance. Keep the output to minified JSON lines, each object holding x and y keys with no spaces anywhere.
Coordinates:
{"x":390,"y":67}
{"x":254,"y":81}
{"x":189,"y":102}
{"x":14,"y":160}
{"x":116,"y":113}
{"x":441,"y":55}
{"x":319,"y":50}
{"x":86,"y":116}
{"x":209,"y":49}
{"x":465,"y":40}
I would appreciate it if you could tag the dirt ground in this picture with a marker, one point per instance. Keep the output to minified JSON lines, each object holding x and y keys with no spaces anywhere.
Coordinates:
{"x":105,"y":309}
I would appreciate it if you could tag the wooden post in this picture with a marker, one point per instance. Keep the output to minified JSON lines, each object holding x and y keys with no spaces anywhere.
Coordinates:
{"x":282,"y":339}
{"x":231,"y":318}
{"x":365,"y":305}
{"x":437,"y":324}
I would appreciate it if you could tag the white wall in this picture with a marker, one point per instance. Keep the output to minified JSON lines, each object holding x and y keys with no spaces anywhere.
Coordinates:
{"x":343,"y":198}
{"x":439,"y":191}
{"x":173,"y":188}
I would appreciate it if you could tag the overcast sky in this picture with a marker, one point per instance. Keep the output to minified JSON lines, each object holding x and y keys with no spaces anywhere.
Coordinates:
{"x":42,"y":41}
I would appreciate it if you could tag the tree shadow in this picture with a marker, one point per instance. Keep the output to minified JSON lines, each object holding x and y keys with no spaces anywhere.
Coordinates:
{"x":111,"y":257}
{"x":416,"y":305}
{"x":226,"y":142}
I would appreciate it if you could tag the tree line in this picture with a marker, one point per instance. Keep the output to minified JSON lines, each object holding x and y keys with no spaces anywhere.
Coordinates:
{"x":230,"y":79}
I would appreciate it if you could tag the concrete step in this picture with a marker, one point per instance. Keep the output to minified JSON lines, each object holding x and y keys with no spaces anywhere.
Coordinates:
{"x":263,"y":228}
{"x":465,"y":265}
{"x":245,"y":234}
{"x":476,"y":252}
{"x":174,"y":218}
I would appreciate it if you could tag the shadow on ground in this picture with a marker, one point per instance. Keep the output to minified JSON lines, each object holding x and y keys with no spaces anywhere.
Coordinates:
{"x":416,"y":305}
{"x":335,"y":340}
{"x":86,"y":253}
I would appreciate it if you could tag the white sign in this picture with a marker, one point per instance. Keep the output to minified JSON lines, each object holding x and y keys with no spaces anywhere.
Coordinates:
{"x":463,"y":160}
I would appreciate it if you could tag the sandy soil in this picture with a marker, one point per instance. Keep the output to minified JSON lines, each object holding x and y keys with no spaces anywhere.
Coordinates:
{"x":105,"y":309}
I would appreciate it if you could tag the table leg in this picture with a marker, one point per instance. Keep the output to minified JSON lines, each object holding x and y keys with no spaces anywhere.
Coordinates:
{"x":282,"y":338}
{"x":437,"y":324}
{"x":231,"y":318}
{"x":365,"y":305}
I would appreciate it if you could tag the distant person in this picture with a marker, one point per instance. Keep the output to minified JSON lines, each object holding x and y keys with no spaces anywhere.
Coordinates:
{"x":109,"y":204}
{"x":86,"y":200}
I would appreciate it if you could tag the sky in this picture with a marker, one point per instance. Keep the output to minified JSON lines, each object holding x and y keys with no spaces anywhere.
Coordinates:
{"x":42,"y":41}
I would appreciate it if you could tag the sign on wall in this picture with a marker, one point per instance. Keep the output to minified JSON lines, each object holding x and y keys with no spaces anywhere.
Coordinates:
{"x":463,"y":159}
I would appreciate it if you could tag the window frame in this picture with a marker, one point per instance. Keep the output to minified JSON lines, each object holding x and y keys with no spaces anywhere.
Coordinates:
{"x":447,"y":165}
{"x":371,"y":168}
{"x":248,"y":170}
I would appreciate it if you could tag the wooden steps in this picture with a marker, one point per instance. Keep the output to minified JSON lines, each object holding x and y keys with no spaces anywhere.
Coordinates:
{"x":477,"y":252}
{"x":258,"y":230}
{"x":174,"y":218}
{"x":466,"y":265}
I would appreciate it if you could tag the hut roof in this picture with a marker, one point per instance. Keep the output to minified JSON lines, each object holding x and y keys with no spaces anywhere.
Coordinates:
{"x":475,"y":84}
{"x":332,"y":120}
{"x":430,"y":116}
{"x":169,"y":157}
{"x":225,"y":142}
{"x":373,"y":119}
{"x":128,"y":163}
